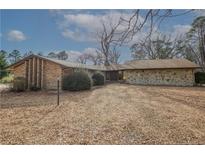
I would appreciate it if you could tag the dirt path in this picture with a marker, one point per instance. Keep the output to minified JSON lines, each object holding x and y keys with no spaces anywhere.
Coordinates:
{"x":113,"y":114}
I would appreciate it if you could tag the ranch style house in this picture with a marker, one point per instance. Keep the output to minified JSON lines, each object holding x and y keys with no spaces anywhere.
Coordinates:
{"x":44,"y":72}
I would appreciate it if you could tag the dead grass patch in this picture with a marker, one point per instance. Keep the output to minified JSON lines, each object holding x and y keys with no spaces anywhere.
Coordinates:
{"x":113,"y":114}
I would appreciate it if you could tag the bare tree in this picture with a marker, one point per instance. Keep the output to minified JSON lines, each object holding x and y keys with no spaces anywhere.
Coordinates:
{"x":27,"y":54}
{"x":147,"y":20}
{"x":96,"y":58}
{"x":161,"y":47}
{"x":83,"y":58}
{"x":114,"y":56}
{"x":196,"y":40}
{"x":114,"y":35}
{"x":62,"y":55}
{"x":52,"y":55}
{"x":108,"y":40}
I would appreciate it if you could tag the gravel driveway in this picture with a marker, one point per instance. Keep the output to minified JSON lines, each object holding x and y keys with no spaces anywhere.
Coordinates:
{"x":112,"y":114}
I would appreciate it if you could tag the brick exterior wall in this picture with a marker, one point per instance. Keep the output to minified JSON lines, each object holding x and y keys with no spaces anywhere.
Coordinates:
{"x":20,"y":70}
{"x":51,"y":73}
{"x":173,"y":77}
{"x":67,"y":71}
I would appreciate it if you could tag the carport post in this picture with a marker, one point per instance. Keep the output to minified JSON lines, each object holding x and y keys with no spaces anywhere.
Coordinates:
{"x":58,"y":93}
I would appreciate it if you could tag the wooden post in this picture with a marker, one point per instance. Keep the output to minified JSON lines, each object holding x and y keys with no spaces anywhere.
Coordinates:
{"x":42,"y":74}
{"x":37,"y":73}
{"x":26,"y":73}
{"x":58,"y":93}
{"x":29,"y":73}
{"x":33,"y":73}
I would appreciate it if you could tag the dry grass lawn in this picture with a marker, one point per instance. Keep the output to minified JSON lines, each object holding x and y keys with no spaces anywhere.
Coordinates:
{"x":113,"y":114}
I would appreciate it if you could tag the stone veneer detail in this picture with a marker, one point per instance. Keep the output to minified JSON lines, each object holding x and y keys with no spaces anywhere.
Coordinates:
{"x":174,"y":77}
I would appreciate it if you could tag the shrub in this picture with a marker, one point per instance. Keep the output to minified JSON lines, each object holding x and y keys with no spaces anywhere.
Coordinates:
{"x":200,"y":77}
{"x":19,"y":84}
{"x":98,"y":79}
{"x":34,"y":88}
{"x":3,"y":73}
{"x":77,"y":81}
{"x":7,"y":79}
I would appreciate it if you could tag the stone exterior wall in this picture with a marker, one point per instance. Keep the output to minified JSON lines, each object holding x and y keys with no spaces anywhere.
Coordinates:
{"x":51,"y":73}
{"x":173,"y":77}
{"x":20,"y":70}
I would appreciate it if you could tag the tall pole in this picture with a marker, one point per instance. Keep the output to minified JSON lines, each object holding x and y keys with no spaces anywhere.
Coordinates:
{"x":58,"y":98}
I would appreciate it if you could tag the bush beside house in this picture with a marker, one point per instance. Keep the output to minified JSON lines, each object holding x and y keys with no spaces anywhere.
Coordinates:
{"x":98,"y":79}
{"x":77,"y":81}
{"x":3,"y":73}
{"x":19,"y":84}
{"x":7,"y":79}
{"x":200,"y":77}
{"x":34,"y":88}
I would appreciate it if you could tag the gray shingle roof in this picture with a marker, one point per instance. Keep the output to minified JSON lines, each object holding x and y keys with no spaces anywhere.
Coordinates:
{"x":160,"y":64}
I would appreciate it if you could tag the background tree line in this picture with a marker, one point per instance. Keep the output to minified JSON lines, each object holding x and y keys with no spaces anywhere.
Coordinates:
{"x":153,"y":45}
{"x":190,"y":46}
{"x":94,"y":57}
{"x":7,"y":58}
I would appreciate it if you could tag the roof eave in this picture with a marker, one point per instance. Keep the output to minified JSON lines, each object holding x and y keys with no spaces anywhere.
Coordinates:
{"x":159,"y":68}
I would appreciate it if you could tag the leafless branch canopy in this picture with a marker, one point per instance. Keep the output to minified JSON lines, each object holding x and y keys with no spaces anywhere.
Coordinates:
{"x":149,"y":19}
{"x":114,"y":35}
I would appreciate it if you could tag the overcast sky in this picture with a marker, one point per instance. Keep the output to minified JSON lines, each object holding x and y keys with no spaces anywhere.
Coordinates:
{"x":71,"y":30}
